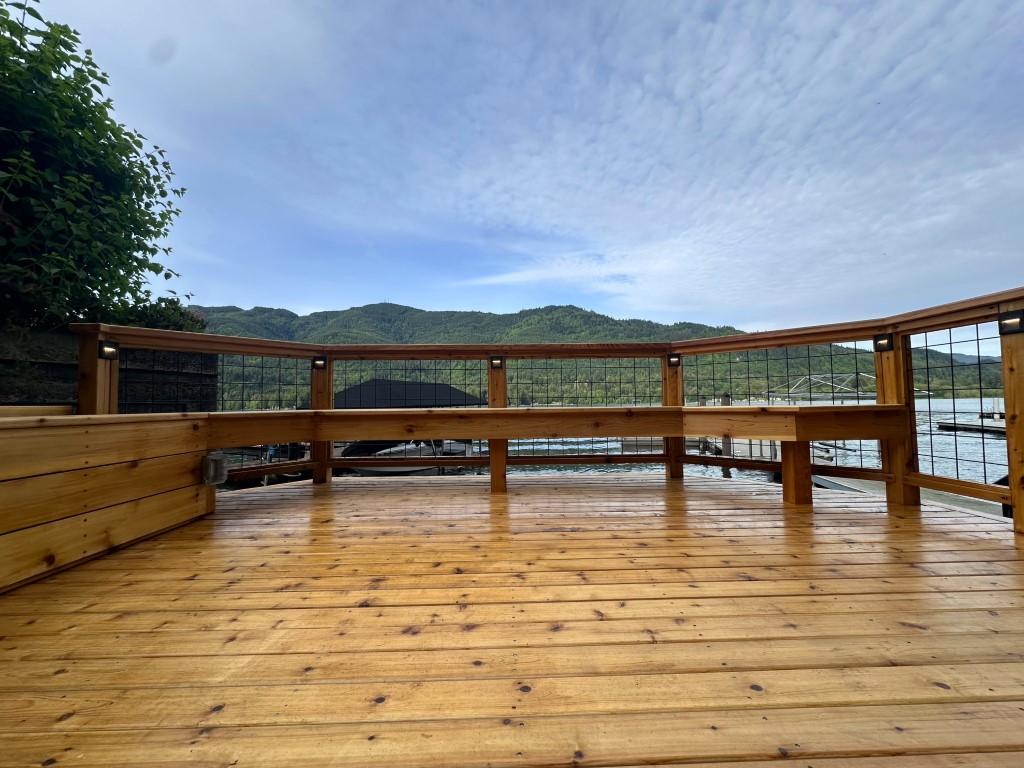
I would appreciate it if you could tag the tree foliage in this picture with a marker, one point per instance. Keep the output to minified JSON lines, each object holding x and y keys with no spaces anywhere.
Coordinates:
{"x":84,"y":203}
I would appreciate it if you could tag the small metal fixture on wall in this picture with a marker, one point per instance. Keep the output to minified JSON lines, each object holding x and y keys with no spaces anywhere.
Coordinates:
{"x":1011,"y":322}
{"x":885,"y":342}
{"x":108,"y":350}
{"x":215,"y":469}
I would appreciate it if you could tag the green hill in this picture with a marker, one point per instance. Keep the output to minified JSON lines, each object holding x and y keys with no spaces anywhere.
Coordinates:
{"x":815,"y":372}
{"x":397,"y":324}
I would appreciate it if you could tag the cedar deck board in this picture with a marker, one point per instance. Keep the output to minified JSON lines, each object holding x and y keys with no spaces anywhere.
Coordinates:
{"x":638,"y":612}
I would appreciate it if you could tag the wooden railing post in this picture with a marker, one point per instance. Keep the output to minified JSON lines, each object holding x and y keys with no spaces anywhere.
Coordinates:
{"x":321,"y":398}
{"x":797,"y":482}
{"x":727,"y":439}
{"x":672,"y":394}
{"x":497,"y":397}
{"x":894,"y":385}
{"x":97,"y":375}
{"x":1011,"y":341}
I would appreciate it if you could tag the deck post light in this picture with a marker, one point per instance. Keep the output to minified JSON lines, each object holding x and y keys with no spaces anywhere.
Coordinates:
{"x":497,"y":361}
{"x":320,"y":362}
{"x":674,"y":361}
{"x":884,"y":342}
{"x":107,"y":350}
{"x":1011,"y":322}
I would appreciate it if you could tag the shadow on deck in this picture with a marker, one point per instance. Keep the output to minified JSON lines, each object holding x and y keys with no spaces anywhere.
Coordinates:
{"x":579,"y":620}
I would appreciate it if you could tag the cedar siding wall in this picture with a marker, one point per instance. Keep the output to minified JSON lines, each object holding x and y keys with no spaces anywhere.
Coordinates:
{"x":75,"y":487}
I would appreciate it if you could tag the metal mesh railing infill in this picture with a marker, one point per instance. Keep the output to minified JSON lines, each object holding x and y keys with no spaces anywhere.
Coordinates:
{"x":158,"y":381}
{"x":820,"y":374}
{"x":961,"y":420}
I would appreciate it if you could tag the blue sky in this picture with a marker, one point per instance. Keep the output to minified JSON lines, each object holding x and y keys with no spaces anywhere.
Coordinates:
{"x":757,"y":163}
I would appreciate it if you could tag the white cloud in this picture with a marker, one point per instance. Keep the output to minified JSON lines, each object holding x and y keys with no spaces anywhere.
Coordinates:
{"x":762,"y":163}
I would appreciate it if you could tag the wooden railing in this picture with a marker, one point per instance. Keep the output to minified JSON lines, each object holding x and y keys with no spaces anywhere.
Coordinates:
{"x":899,"y":468}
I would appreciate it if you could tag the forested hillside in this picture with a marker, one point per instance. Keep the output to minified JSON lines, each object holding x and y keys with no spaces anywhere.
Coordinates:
{"x":397,"y":324}
{"x":815,"y":372}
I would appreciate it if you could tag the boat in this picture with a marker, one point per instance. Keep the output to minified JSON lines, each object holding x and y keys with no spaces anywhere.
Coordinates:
{"x":411,"y":450}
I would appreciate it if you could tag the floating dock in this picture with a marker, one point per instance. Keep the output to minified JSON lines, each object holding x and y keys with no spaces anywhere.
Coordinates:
{"x":984,"y":426}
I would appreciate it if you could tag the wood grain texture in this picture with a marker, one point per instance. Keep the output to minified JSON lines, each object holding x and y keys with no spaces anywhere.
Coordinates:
{"x":797,"y":487}
{"x":73,"y":487}
{"x":502,"y":423}
{"x":672,"y":394}
{"x":7,"y":411}
{"x":39,"y":499}
{"x":235,"y":429}
{"x":97,"y":379}
{"x":613,"y":620}
{"x":1013,"y":393}
{"x":31,"y":552}
{"x":497,"y":448}
{"x":495,"y":423}
{"x":321,"y":397}
{"x":47,"y":445}
{"x":895,"y":385}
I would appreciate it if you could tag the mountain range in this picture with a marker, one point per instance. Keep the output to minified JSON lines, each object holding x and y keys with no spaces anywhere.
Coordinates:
{"x":942,"y":374}
{"x":397,"y":324}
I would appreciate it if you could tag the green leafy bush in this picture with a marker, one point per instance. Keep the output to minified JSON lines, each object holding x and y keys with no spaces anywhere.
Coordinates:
{"x":84,"y":204}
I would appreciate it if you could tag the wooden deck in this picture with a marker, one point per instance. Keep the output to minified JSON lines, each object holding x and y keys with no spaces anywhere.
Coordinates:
{"x":607,"y":620}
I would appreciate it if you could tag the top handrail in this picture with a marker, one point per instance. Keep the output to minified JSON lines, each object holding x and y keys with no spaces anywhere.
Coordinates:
{"x":976,"y":310}
{"x":965,"y":312}
{"x":187,"y":341}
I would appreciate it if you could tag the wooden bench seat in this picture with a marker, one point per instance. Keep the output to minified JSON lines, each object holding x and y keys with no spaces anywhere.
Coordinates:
{"x":793,"y":426}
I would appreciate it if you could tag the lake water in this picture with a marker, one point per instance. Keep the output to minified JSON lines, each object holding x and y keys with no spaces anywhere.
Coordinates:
{"x":959,"y":454}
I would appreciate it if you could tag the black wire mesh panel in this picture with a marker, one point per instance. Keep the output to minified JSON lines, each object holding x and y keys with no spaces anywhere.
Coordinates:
{"x":961,"y":426}
{"x":411,"y":384}
{"x":832,"y":374}
{"x":818,"y":374}
{"x":259,"y":383}
{"x":262,"y":383}
{"x":155,"y":381}
{"x":586,"y":382}
{"x":38,"y":368}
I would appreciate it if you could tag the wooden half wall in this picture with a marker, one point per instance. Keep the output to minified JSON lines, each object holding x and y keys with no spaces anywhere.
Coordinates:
{"x":75,"y":487}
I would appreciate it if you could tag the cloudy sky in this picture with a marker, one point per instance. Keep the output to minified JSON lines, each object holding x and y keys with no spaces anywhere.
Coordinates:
{"x":757,"y":163}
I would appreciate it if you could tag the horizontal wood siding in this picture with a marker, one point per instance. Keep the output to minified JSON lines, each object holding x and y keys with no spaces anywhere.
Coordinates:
{"x":36,"y":551}
{"x":47,"y":449}
{"x":44,"y":498}
{"x":75,"y":487}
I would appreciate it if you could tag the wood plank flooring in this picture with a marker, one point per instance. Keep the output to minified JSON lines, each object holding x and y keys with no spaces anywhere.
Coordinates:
{"x":605,"y":620}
